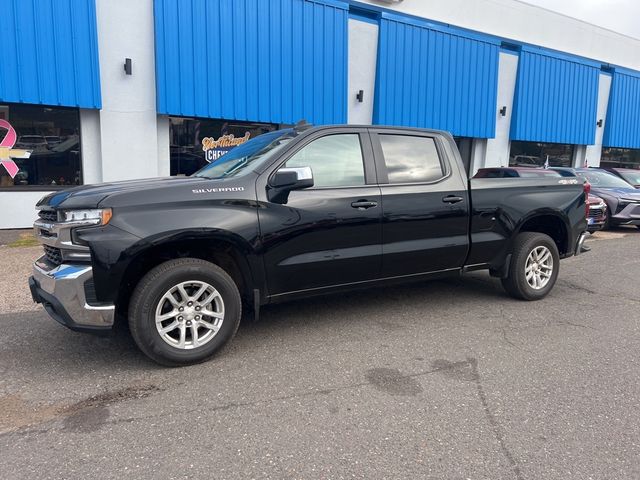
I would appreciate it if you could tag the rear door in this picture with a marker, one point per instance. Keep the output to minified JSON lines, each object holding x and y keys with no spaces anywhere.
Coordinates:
{"x":425,"y":202}
{"x":331,"y":233}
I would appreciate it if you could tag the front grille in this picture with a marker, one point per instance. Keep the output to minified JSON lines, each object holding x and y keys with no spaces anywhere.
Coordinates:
{"x":48,"y":215}
{"x":596,"y":212}
{"x":53,"y":254}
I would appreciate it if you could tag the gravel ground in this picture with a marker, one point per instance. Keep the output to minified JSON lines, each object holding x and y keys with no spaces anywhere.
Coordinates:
{"x":445,"y":379}
{"x":15,"y":265}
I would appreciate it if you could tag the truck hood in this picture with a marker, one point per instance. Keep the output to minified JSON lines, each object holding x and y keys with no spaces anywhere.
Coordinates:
{"x":90,"y":196}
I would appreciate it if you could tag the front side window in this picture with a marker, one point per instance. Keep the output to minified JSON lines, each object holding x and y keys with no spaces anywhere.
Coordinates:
{"x":335,"y":160}
{"x":411,"y":159}
{"x":43,"y":142}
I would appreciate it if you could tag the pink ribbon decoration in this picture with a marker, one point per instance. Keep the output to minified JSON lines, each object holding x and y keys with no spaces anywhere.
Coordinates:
{"x":6,"y":146}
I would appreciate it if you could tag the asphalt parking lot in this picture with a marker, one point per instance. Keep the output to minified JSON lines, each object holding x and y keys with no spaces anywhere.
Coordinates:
{"x":447,"y":379}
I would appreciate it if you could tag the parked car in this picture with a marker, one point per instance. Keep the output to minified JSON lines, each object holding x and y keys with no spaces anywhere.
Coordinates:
{"x":35,"y":143}
{"x":629,"y":175}
{"x":289,"y":214}
{"x":597,"y":215}
{"x":515,"y":172}
{"x":53,"y":140}
{"x":623,"y":201}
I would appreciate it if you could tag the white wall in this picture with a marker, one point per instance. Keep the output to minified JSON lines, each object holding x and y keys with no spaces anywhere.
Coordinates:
{"x":17,"y":209}
{"x":363,"y":52}
{"x":593,"y":152}
{"x":497,"y":152}
{"x":128,"y":119}
{"x":526,"y":23}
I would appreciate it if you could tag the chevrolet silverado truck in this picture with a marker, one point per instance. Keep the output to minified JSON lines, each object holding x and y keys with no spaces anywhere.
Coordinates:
{"x":289,"y":214}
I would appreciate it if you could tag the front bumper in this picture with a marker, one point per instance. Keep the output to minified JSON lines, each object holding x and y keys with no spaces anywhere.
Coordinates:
{"x":62,"y":291}
{"x":629,"y":215}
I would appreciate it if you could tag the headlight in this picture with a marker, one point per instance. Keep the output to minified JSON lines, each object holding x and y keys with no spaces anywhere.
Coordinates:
{"x":98,"y":216}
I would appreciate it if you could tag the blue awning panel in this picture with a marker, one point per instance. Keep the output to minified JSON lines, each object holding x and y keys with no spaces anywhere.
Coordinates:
{"x":433,"y":76}
{"x":556,"y":99}
{"x":50,"y":53}
{"x":622,"y":127}
{"x":278,"y":61}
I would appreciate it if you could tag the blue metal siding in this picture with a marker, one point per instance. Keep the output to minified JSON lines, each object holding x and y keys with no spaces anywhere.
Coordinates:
{"x":50,"y":53}
{"x":556,"y":99}
{"x":435,"y":77}
{"x":622,"y":127}
{"x":278,"y":61}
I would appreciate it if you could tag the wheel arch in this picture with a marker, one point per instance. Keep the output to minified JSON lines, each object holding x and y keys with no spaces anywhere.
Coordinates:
{"x":551,"y":223}
{"x":227,"y":250}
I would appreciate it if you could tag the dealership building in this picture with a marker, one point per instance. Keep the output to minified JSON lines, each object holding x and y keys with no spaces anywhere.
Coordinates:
{"x":105,"y":90}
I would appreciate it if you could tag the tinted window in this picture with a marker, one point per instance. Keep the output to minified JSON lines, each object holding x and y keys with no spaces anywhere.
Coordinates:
{"x":336,"y":161}
{"x":410,"y":159}
{"x":538,"y":173}
{"x":44,"y":143}
{"x":533,"y":154}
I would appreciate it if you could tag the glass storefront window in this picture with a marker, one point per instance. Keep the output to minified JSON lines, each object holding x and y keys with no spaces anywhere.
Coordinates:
{"x":533,"y":154}
{"x":196,"y":142}
{"x":51,"y":138}
{"x":620,"y":158}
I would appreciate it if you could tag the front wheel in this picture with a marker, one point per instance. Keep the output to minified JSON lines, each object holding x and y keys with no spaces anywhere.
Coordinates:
{"x":534,"y":266}
{"x":183,"y":311}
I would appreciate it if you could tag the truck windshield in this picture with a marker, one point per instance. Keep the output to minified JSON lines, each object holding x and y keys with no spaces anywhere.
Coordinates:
{"x":246,"y":156}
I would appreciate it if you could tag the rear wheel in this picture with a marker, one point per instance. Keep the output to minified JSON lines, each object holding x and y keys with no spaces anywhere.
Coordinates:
{"x":534,"y":267}
{"x":183,"y":311}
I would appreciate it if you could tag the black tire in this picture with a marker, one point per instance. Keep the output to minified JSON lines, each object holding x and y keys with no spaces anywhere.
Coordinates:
{"x":149,"y":292}
{"x":516,"y":283}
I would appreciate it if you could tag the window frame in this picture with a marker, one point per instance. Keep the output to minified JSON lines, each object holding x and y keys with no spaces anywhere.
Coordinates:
{"x":381,"y":165}
{"x":370,"y":174}
{"x":49,"y":188}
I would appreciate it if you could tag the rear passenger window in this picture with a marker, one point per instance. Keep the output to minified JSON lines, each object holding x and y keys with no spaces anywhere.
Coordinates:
{"x":410,"y":159}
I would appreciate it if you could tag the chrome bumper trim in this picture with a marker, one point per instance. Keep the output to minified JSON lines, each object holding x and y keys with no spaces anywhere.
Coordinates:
{"x":580,"y":244}
{"x":66,"y":283}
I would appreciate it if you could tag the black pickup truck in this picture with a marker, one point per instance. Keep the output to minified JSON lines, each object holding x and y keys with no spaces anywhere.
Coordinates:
{"x":288,"y":214}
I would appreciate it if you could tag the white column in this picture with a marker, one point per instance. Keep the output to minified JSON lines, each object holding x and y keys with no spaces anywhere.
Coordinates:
{"x":163,"y":146}
{"x":90,"y":145}
{"x":363,"y":52}
{"x":594,"y":151}
{"x":497,"y":149}
{"x":128,"y":119}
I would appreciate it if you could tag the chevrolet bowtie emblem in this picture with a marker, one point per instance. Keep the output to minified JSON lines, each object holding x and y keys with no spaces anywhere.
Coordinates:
{"x":8,"y":153}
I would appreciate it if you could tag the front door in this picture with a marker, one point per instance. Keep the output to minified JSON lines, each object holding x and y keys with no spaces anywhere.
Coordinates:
{"x":329,"y":234}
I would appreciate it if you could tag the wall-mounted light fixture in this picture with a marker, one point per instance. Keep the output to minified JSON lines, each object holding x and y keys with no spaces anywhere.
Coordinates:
{"x":599,"y":123}
{"x":503,"y":111}
{"x":360,"y":96}
{"x":127,"y":66}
